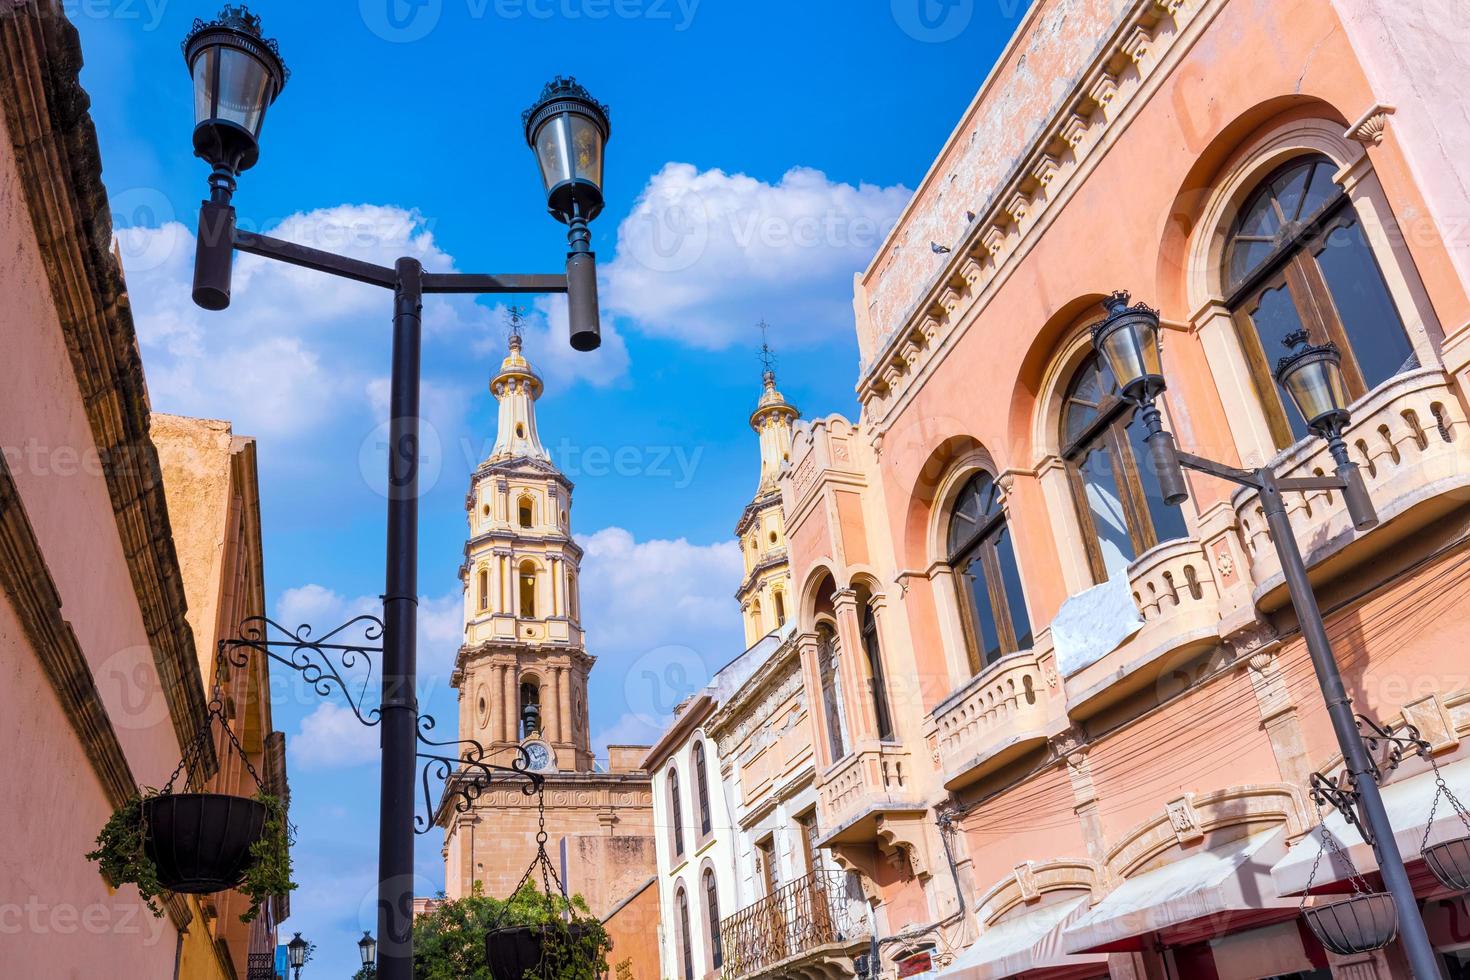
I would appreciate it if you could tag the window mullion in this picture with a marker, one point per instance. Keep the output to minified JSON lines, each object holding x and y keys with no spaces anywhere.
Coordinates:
{"x":1005,"y":632}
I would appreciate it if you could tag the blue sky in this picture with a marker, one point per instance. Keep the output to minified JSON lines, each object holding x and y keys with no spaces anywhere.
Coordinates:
{"x":759,"y":152}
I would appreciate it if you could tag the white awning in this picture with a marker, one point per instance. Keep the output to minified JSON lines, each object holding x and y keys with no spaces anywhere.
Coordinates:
{"x":1407,"y":802}
{"x":1233,"y":878}
{"x":1028,"y":942}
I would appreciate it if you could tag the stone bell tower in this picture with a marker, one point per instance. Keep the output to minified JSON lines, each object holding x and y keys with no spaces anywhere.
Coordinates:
{"x":765,"y":592}
{"x":522,"y":672}
{"x":522,"y":679}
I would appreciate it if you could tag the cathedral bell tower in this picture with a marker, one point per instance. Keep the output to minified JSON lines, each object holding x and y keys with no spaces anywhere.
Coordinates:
{"x":522,"y":672}
{"x":765,"y":592}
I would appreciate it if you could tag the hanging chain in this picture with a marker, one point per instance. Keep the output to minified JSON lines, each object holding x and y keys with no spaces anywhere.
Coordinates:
{"x":1322,"y":790}
{"x":1441,"y":790}
{"x":195,"y":751}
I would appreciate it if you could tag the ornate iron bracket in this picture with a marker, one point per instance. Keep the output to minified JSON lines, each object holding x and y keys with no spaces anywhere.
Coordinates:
{"x":1384,"y":741}
{"x":342,"y":659}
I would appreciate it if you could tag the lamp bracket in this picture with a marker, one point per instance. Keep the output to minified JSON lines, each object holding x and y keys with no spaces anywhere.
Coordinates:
{"x":1245,"y":478}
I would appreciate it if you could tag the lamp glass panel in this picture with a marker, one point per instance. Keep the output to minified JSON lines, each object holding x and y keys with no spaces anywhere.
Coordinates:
{"x":586,"y":149}
{"x":244,"y":89}
{"x":1127,"y":350}
{"x":554,"y":151}
{"x":204,"y":85}
{"x":1316,"y":388}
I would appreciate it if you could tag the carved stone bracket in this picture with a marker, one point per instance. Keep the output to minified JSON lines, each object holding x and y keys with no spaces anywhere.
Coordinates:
{"x":1370,"y":126}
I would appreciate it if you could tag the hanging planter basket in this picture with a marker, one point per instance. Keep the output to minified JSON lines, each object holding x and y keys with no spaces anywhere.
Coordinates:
{"x":1450,"y":862}
{"x":517,"y":950}
{"x":200,"y":842}
{"x":1359,"y":924}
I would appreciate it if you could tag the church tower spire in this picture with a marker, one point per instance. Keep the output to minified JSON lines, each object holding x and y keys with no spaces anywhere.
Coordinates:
{"x":765,"y":593}
{"x":523,"y":669}
{"x":517,"y":386}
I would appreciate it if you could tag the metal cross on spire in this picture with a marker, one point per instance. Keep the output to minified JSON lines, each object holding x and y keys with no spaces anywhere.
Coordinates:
{"x":767,"y":356}
{"x":515,"y":319}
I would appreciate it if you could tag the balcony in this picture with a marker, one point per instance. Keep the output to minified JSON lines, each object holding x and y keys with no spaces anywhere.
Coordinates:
{"x":807,"y":928}
{"x":998,"y":716}
{"x":261,"y":966}
{"x":863,"y":787}
{"x":1178,"y":601}
{"x":1408,"y":436}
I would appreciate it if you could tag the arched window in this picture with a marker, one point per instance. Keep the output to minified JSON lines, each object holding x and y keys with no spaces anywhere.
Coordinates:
{"x":780,"y":608}
{"x":873,"y":650}
{"x":1119,"y":504}
{"x":530,"y":707}
{"x":757,"y":620}
{"x":1298,"y":259}
{"x":831,"y":690}
{"x":572,"y":595}
{"x":528,"y":590}
{"x":701,"y":786}
{"x":685,"y":944}
{"x":484,"y":589}
{"x":712,"y":914}
{"x":983,"y":556}
{"x":525,"y":513}
{"x":676,"y":810}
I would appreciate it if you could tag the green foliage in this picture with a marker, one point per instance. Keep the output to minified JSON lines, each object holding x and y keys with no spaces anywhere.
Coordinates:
{"x":366,"y":973}
{"x":121,"y":856}
{"x":269,"y":874}
{"x":449,"y":943}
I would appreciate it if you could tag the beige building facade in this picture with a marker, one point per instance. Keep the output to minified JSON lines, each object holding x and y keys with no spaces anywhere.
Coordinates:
{"x":522,"y":676}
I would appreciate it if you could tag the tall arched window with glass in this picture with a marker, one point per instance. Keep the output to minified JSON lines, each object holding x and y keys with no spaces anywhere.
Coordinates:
{"x":831,"y":690}
{"x":686,"y":943}
{"x":1119,"y":504}
{"x":701,"y":784}
{"x":983,"y":556}
{"x":712,"y":916}
{"x":1298,"y":259}
{"x":676,"y":809}
{"x":873,"y":650}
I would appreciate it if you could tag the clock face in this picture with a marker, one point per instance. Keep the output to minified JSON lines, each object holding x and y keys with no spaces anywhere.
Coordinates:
{"x":540,"y":755}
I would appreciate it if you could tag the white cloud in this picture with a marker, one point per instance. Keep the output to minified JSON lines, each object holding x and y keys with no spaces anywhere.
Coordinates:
{"x":299,"y":350}
{"x":704,"y":254}
{"x":661,"y":619}
{"x":331,"y":737}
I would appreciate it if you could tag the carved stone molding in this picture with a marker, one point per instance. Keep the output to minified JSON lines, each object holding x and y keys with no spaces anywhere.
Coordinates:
{"x":1370,"y":127}
{"x":1031,"y":881}
{"x":1262,"y":805}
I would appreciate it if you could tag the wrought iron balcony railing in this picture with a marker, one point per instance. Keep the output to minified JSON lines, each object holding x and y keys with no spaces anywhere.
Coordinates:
{"x":800,"y":917}
{"x":261,"y":966}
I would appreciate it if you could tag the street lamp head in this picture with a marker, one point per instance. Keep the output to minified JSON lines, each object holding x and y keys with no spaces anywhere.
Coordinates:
{"x":296,"y":952}
{"x":1128,"y":339}
{"x":367,"y":947}
{"x":567,"y":129}
{"x":237,"y":75}
{"x":1312,"y":376}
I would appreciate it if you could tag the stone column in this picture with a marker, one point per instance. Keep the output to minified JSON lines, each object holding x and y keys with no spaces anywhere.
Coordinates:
{"x":551,"y":706}
{"x":943,"y":585}
{"x":511,"y":698}
{"x":1072,"y":746}
{"x":564,"y":699}
{"x":555,"y":587}
{"x":1279,"y":716}
{"x":852,"y":663}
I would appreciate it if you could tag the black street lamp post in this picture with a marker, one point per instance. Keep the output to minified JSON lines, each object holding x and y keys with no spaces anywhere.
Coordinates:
{"x":1312,"y":375}
{"x":296,"y":951}
{"x":237,"y":75}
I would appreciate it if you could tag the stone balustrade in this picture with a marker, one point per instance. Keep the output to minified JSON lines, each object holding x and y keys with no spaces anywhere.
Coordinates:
{"x":999,"y":714}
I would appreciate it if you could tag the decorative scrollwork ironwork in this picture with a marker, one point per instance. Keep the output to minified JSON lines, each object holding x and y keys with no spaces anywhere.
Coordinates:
{"x":333,"y":660}
{"x":342,"y":660}
{"x":1394,"y":743}
{"x":1339,"y":792}
{"x":462,"y":779}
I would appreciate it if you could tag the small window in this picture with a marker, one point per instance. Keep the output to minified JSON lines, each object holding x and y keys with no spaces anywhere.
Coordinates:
{"x":525,"y":513}
{"x":780,"y":608}
{"x":874,"y":653}
{"x":831,"y":690}
{"x":484,"y":589}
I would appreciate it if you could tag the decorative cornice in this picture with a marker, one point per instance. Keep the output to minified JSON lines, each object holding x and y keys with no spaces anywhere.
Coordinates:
{"x":1019,"y":205}
{"x":60,"y":171}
